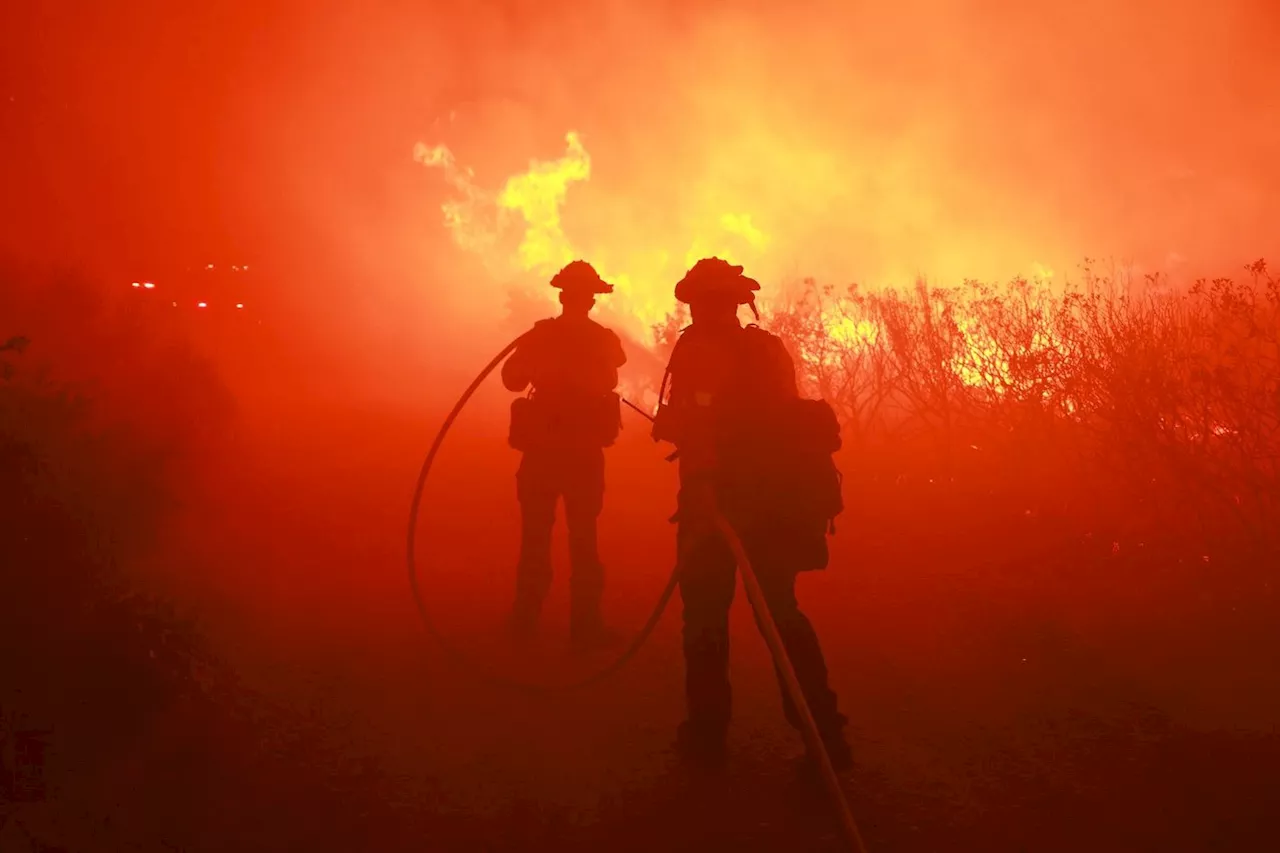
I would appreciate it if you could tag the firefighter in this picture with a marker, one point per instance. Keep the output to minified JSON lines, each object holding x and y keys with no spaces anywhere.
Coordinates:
{"x":570,"y":364}
{"x":729,"y":386}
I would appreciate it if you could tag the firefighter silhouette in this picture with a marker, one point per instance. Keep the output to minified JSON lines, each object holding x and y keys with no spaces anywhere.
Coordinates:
{"x":570,"y":364}
{"x":750,"y":448}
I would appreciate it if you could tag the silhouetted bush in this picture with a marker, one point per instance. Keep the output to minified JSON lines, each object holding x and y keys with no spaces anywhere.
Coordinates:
{"x":102,"y":419}
{"x":1125,"y":398}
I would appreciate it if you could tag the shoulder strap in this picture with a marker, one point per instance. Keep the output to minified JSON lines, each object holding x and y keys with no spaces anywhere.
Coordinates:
{"x":757,"y":341}
{"x":666,"y":374}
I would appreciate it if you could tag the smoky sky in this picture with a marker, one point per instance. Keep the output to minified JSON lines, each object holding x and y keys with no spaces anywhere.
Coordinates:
{"x":869,"y":141}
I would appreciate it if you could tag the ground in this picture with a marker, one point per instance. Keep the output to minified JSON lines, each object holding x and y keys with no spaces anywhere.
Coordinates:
{"x":1001,"y":698}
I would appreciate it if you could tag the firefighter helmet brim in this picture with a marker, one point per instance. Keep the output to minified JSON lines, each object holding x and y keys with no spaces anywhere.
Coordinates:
{"x":580,"y":277}
{"x":716,"y":278}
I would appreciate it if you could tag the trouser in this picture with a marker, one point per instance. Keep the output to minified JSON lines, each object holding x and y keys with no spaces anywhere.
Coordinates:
{"x":707,"y":582}
{"x":544,"y":477}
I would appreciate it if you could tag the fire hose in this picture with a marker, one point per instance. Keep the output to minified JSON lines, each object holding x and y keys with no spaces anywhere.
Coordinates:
{"x":755,"y":594}
{"x":465,"y":662}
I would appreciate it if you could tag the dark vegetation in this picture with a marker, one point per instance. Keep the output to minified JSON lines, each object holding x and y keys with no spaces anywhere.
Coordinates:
{"x":99,"y":419}
{"x":1163,"y":407}
{"x":1010,"y":451}
{"x":1126,"y":412}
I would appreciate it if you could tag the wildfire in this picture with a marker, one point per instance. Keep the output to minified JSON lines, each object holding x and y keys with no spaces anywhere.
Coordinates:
{"x":538,"y":195}
{"x":519,"y":229}
{"x":530,"y":205}
{"x":981,"y":362}
{"x":849,"y":332}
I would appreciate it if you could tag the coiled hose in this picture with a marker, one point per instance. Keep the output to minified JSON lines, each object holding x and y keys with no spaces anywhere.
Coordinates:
{"x":755,"y":594}
{"x":464,"y":661}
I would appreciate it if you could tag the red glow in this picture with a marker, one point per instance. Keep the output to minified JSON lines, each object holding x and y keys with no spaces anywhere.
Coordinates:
{"x":1004,"y":673}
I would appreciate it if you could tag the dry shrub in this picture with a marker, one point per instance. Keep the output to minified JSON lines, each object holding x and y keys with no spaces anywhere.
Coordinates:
{"x":1109,"y":403}
{"x":1158,"y":404}
{"x":102,"y":423}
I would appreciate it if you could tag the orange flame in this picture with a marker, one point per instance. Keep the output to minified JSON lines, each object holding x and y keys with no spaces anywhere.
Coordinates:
{"x":532,"y":203}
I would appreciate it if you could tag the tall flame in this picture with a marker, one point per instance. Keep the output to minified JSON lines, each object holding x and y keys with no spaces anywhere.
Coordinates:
{"x":531,"y":205}
{"x":538,"y":195}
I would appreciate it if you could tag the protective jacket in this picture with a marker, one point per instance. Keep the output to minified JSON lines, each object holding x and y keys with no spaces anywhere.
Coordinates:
{"x":570,"y":365}
{"x":741,"y":428}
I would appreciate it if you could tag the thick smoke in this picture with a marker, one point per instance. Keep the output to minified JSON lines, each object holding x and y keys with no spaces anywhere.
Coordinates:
{"x":868,"y":142}
{"x":881,"y":143}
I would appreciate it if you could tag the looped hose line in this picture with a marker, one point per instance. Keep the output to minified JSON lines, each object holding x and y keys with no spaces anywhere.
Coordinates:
{"x":462,"y":660}
{"x":769,"y":628}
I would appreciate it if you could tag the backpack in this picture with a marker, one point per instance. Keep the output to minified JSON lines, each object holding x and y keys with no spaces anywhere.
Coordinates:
{"x":779,"y":479}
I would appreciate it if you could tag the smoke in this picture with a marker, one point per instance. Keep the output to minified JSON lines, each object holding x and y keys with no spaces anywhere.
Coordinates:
{"x":847,"y":141}
{"x":867,"y":143}
{"x":477,"y":218}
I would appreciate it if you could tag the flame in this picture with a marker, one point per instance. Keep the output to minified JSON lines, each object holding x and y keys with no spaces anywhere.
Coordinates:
{"x":531,"y":204}
{"x":977,"y":360}
{"x":850,"y":332}
{"x":981,"y":362}
{"x":538,"y":195}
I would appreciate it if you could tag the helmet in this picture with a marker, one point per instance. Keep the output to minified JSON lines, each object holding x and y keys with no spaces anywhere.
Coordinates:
{"x":716,"y":277}
{"x":580,"y":276}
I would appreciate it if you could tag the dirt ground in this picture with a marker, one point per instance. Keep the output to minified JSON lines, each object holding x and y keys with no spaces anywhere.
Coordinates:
{"x":1001,"y":698}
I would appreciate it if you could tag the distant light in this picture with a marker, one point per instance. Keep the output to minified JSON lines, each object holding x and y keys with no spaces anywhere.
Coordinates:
{"x":202,"y":304}
{"x":235,"y":268}
{"x":148,"y":285}
{"x":175,"y":305}
{"x":208,"y":266}
{"x":239,"y":304}
{"x":136,"y":284}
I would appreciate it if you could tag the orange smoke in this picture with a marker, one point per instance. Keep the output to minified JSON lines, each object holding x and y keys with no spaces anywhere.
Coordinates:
{"x":877,"y":147}
{"x":518,"y":229}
